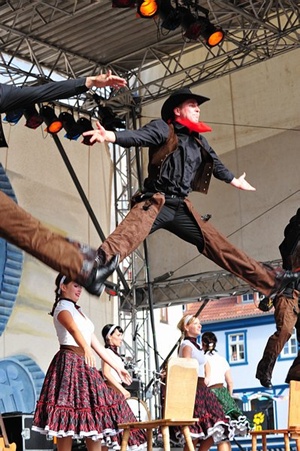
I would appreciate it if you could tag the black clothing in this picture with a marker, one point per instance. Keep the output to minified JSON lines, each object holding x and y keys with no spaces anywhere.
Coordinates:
{"x":291,"y":238}
{"x":12,"y":97}
{"x":179,"y":168}
{"x":175,"y":218}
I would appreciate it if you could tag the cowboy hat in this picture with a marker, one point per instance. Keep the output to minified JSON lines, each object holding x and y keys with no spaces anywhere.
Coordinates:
{"x":176,"y":98}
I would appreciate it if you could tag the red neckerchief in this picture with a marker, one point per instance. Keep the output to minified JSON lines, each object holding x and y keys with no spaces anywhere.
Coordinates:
{"x":199,"y":127}
{"x":194,"y":341}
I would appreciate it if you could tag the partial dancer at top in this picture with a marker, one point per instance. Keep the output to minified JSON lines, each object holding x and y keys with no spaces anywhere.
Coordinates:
{"x":180,"y":161}
{"x":78,"y":261}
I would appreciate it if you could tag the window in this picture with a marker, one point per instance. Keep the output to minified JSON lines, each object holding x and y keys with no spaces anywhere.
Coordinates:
{"x":290,"y":348}
{"x":247,"y":298}
{"x":236,"y":347}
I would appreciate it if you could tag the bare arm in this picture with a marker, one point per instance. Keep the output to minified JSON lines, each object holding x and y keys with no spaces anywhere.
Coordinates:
{"x":106,"y":369}
{"x":66,"y":319}
{"x":207,"y":373}
{"x":229,"y":381}
{"x":241,"y":183}
{"x":106,"y":357}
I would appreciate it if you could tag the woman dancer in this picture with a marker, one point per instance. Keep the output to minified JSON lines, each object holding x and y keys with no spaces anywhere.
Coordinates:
{"x":212,"y":426}
{"x":113,"y":337}
{"x":75,"y":402}
{"x":220,"y":375}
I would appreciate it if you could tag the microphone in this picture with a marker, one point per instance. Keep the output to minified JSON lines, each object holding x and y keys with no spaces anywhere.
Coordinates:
{"x":135,"y":333}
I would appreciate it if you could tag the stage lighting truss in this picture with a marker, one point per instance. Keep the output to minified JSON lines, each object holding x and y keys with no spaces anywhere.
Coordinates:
{"x":187,"y":14}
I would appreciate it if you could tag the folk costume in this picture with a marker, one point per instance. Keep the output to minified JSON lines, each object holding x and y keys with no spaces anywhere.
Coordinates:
{"x":181,"y":160}
{"x":212,"y":421}
{"x":218,"y":367}
{"x":74,"y":400}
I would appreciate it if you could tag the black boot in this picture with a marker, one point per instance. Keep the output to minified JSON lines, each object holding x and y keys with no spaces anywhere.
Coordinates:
{"x":265,"y":368}
{"x":100,"y":272}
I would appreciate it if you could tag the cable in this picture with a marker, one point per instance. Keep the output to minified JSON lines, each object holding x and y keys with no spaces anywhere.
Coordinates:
{"x":239,"y":229}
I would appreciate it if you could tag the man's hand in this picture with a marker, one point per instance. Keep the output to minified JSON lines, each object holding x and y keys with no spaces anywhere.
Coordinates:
{"x":108,"y":79}
{"x":241,"y":183}
{"x":100,"y":135}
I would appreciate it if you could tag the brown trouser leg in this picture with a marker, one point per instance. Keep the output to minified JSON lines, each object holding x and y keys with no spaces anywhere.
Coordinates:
{"x":218,"y":249}
{"x":285,"y":315}
{"x":26,"y":232}
{"x":133,"y":230}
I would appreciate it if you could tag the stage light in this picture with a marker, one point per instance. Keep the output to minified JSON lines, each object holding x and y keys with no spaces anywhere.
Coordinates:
{"x":123,"y":3}
{"x":190,"y":24}
{"x":212,"y":35}
{"x":170,"y":17}
{"x":73,"y":129}
{"x":13,"y":116}
{"x":54,"y":125}
{"x":85,"y":125}
{"x":33,"y":118}
{"x":109,"y":119}
{"x":147,"y":9}
{"x":200,"y":26}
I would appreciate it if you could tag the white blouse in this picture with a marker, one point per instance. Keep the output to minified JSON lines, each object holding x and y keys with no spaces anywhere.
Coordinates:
{"x":83,"y":323}
{"x":197,"y":354}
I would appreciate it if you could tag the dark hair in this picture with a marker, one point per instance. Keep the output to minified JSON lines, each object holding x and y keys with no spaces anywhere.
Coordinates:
{"x":61,"y":278}
{"x":105,"y":331}
{"x":210,"y":341}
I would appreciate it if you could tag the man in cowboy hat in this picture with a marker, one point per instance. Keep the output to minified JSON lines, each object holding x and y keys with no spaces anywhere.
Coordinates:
{"x":181,"y":161}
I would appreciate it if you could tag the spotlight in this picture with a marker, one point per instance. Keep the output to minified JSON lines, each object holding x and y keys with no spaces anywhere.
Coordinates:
{"x":54,"y":125}
{"x":73,"y":129}
{"x":13,"y":116}
{"x":147,"y":9}
{"x":108,"y":118}
{"x":85,"y":125}
{"x":170,"y":17}
{"x":111,"y":288}
{"x":212,"y":35}
{"x":33,"y":118}
{"x":201,"y":26}
{"x":190,"y":24}
{"x":123,"y":3}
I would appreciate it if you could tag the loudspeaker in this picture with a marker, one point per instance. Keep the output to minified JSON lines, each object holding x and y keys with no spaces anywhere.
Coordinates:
{"x":18,"y":429}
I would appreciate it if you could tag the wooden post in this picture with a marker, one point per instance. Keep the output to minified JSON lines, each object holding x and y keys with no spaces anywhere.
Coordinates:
{"x":294,"y":412}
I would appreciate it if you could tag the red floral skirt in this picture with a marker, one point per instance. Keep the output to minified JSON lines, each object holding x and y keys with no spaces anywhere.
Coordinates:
{"x":76,"y":402}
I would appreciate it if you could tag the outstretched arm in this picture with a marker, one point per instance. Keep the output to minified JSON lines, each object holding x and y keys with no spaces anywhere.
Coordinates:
{"x":241,"y":183}
{"x":12,"y":97}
